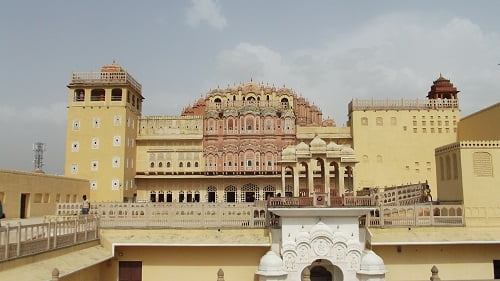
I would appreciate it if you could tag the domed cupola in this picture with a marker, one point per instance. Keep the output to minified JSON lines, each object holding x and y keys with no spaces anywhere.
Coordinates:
{"x":288,"y":245}
{"x":302,"y":236}
{"x":442,"y":88}
{"x":371,"y":264}
{"x":321,"y":229}
{"x":112,"y":67}
{"x":317,"y":144}
{"x":302,"y":147}
{"x":346,"y":150}
{"x":271,"y":265}
{"x":288,"y":153}
{"x":332,"y":146}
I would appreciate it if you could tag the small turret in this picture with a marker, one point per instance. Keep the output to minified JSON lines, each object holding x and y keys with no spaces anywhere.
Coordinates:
{"x":442,"y":88}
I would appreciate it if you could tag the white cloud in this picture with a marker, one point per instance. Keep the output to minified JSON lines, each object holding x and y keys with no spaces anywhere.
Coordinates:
{"x":393,"y":56}
{"x":208,"y":11}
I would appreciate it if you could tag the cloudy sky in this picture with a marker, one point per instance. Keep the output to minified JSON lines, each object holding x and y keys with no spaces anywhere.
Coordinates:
{"x":328,"y":51}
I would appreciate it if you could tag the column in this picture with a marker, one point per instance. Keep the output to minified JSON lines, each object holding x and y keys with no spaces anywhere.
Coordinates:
{"x":327,"y":180}
{"x":283,"y":182}
{"x":341,"y":179}
{"x":310,"y":177}
{"x":296,"y":183}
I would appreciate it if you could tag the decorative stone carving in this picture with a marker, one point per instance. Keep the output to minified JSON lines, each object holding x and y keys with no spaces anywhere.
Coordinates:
{"x":321,"y":247}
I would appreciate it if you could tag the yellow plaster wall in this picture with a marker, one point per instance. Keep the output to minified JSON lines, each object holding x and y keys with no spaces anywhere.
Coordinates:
{"x":449,"y":183}
{"x":479,"y":190}
{"x":397,"y":146}
{"x":454,"y":262}
{"x":43,"y":190}
{"x":481,"y":125}
{"x":188,"y":263}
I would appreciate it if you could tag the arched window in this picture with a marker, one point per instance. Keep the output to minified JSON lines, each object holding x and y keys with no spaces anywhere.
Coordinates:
{"x":230,"y":193}
{"x":284,"y":102}
{"x":217,"y":100}
{"x":250,"y":193}
{"x":249,"y":163}
{"x":152,"y":164}
{"x":160,"y":164}
{"x":97,"y":95}
{"x":116,"y":94}
{"x":212,"y":194}
{"x":79,"y":95}
{"x":196,"y":164}
{"x":188,"y":164}
{"x":168,"y":164}
{"x":181,"y":165}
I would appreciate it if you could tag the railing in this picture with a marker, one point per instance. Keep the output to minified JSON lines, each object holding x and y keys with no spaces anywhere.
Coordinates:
{"x":318,"y":201}
{"x":415,"y":215}
{"x":174,"y":215}
{"x":288,"y":202}
{"x":401,"y":104}
{"x":23,"y":240}
{"x":106,"y":78}
{"x":401,"y":195}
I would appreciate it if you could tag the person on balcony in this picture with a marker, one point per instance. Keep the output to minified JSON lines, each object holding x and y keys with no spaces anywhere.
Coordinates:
{"x":85,"y":205}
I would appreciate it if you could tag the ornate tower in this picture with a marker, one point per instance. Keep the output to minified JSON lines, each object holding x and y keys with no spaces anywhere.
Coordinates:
{"x":442,"y":88}
{"x":103,"y":111}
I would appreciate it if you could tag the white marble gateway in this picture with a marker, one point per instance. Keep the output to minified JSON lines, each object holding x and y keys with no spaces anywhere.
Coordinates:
{"x":320,"y":244}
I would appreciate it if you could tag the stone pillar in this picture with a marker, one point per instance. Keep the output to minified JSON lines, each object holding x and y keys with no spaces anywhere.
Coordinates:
{"x":296,"y":182}
{"x":55,"y":275}
{"x":283,"y":180}
{"x":434,"y":274}
{"x":341,"y":179}
{"x":310,"y":177}
{"x":220,"y":275}
{"x":327,"y":180}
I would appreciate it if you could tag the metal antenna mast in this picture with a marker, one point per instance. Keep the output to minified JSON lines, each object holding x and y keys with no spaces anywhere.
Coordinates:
{"x":38,"y":148}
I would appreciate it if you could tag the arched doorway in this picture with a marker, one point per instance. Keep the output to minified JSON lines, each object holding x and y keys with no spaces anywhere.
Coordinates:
{"x":319,"y":273}
{"x":323,"y":270}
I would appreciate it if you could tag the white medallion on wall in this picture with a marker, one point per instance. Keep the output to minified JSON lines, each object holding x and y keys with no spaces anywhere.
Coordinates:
{"x":116,"y":162}
{"x":95,"y":143}
{"x":93,"y":184}
{"x":94,"y":165}
{"x":117,"y":120}
{"x":76,"y":125}
{"x":117,"y":140}
{"x":75,"y":146}
{"x":115,"y":184}
{"x":96,"y":122}
{"x":74,"y":168}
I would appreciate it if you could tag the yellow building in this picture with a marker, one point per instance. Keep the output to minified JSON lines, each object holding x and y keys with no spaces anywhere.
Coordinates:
{"x":103,"y":112}
{"x":25,"y":195}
